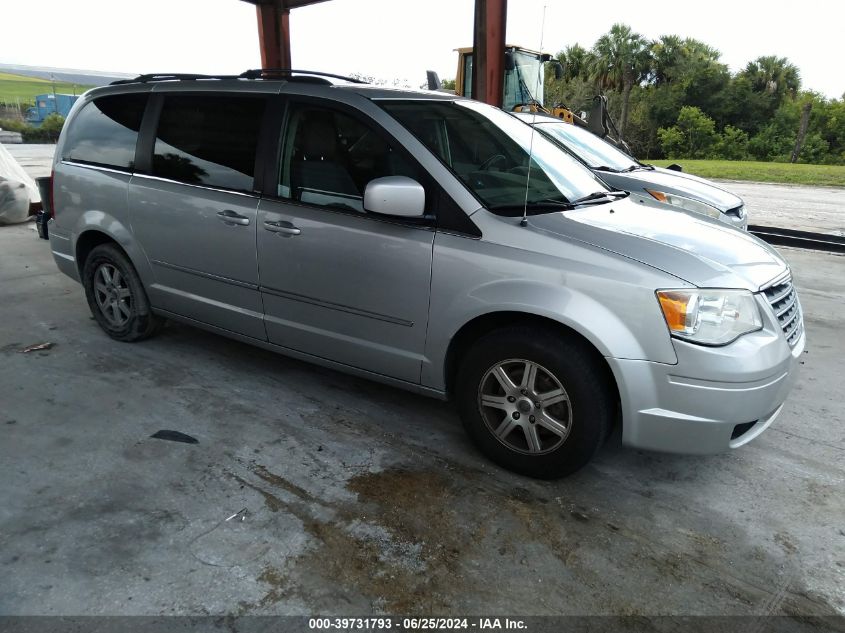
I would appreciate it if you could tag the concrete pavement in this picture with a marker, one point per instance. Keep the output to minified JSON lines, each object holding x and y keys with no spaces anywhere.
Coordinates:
{"x":356,"y":498}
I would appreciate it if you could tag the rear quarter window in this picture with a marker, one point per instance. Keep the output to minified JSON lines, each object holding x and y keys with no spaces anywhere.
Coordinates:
{"x":105,"y":132}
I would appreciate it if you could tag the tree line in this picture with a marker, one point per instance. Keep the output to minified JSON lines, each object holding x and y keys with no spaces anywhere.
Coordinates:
{"x":673,"y":98}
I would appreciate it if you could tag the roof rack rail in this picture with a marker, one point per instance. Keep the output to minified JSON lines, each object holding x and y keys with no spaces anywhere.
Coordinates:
{"x":168,"y":77}
{"x":258,"y":73}
{"x":262,"y":73}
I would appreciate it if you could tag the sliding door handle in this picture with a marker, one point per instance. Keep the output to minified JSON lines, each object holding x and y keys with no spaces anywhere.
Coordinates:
{"x":231,"y":218}
{"x":285,"y":228}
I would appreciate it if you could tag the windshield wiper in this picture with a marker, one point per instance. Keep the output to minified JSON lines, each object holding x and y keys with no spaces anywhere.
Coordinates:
{"x":554,"y":204}
{"x":599,"y":196}
{"x":534,"y":205}
{"x":638,"y":166}
{"x":606,"y":168}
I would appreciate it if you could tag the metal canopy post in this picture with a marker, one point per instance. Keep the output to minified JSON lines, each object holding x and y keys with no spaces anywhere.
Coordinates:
{"x":274,"y":34}
{"x":488,"y":43}
{"x":274,"y":29}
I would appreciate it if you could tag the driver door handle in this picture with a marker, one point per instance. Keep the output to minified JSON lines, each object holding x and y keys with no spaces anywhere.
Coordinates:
{"x":285,"y":228}
{"x":231,"y":217}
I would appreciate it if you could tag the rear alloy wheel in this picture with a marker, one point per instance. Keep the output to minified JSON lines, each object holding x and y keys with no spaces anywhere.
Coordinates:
{"x":535,"y":400}
{"x":116,"y":295}
{"x":112,"y":295}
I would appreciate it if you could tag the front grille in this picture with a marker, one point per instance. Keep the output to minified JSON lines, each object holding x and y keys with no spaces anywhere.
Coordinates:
{"x":784,"y":302}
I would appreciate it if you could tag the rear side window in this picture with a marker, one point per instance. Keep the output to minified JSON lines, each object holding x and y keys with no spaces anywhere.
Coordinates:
{"x":105,"y":132}
{"x":209,"y":140}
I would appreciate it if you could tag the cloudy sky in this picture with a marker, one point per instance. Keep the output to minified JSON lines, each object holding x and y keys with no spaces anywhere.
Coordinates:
{"x":401,"y":39}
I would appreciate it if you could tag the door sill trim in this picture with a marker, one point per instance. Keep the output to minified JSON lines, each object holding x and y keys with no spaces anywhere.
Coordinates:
{"x":309,"y":358}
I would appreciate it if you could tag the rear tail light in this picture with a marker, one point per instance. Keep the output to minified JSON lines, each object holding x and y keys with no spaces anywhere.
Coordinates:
{"x":52,"y":196}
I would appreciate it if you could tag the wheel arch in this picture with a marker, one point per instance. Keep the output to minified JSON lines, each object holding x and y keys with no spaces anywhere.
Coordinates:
{"x":88,"y":241}
{"x":489,"y":322}
{"x":96,"y":227}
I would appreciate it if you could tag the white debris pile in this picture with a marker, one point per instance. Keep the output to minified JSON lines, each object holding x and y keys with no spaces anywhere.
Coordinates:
{"x":17,"y":190}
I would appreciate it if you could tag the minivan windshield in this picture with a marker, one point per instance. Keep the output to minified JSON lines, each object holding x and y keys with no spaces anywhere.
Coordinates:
{"x":489,"y":149}
{"x":596,"y":152}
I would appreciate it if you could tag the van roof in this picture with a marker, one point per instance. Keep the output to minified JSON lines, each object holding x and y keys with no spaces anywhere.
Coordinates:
{"x":276,"y":78}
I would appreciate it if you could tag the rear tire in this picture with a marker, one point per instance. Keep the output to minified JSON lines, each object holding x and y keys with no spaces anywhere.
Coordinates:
{"x":534,"y":400}
{"x":116,"y":295}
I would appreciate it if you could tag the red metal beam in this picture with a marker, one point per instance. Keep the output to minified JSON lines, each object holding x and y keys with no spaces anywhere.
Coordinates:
{"x":488,"y":42}
{"x":287,"y":4}
{"x":274,"y":34}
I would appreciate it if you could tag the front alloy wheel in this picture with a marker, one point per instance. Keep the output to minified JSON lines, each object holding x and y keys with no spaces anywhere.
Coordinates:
{"x":525,"y":406}
{"x":535,"y":398}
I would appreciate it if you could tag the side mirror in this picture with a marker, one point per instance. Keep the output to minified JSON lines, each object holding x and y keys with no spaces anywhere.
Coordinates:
{"x":433,"y":80}
{"x":395,"y":195}
{"x":559,"y":70}
{"x":510,"y":64}
{"x":675,"y":167}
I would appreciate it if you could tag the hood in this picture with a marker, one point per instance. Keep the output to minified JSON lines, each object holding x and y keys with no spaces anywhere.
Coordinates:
{"x":698,"y":250}
{"x":676,"y":182}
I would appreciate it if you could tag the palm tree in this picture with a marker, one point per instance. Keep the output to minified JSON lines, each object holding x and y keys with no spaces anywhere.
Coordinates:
{"x":621,"y":58}
{"x":773,"y":75}
{"x":665,"y":53}
{"x":673,"y":57}
{"x":575,"y":60}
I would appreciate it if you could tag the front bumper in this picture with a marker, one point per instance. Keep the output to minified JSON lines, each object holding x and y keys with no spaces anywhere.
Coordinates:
{"x":713,"y":399}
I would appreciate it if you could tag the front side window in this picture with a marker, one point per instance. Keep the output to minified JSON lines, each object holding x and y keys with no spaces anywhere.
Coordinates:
{"x":489,"y":151}
{"x":105,"y":132}
{"x":209,"y":140}
{"x":328,"y":157}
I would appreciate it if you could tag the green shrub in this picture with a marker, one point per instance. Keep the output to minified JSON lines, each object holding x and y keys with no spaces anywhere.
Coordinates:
{"x":732,"y":144}
{"x":52,"y":126}
{"x":48,"y":132}
{"x":693,"y":136}
{"x":12,"y":125}
{"x":770,"y":143}
{"x":671,"y":141}
{"x":814,"y":150}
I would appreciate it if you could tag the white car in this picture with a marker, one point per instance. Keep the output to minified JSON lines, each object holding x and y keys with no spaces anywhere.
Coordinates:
{"x":647,"y":184}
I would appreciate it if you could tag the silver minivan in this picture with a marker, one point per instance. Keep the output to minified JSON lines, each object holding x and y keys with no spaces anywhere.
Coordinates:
{"x":429,"y":242}
{"x":647,"y":184}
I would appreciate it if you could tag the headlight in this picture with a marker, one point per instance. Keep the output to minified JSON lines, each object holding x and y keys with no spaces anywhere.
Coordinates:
{"x":686,"y":203}
{"x":709,"y":317}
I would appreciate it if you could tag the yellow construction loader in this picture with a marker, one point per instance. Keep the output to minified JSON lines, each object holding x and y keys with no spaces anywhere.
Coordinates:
{"x":524,"y":87}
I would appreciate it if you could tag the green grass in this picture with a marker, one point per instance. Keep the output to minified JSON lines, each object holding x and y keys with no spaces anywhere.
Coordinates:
{"x":823,"y":175}
{"x":24,"y":89}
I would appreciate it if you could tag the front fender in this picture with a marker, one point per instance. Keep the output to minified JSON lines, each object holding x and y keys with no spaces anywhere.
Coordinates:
{"x":607,"y":299}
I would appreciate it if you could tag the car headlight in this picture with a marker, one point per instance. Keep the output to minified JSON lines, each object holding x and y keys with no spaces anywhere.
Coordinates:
{"x":686,"y":203}
{"x":709,"y":316}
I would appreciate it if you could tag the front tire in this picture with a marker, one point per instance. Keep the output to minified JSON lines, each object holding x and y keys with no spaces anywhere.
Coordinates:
{"x":116,"y":295}
{"x":535,"y":400}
